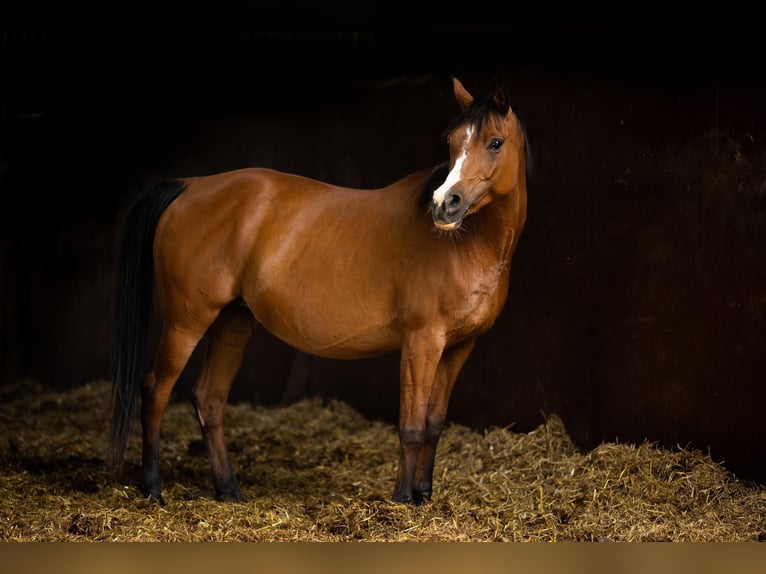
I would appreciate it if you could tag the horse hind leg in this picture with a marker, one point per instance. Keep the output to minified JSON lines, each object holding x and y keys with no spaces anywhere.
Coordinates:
{"x":176,"y":345}
{"x":227,"y":342}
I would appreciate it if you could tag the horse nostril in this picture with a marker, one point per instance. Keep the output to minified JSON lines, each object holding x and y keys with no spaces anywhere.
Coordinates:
{"x":453,"y":203}
{"x":449,"y":207}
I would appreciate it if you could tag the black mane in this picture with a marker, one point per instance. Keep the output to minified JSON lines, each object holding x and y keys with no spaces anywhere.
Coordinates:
{"x":437,"y":177}
{"x":481,"y":109}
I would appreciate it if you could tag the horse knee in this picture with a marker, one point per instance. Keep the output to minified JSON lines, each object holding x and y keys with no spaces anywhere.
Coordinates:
{"x":434,"y":429}
{"x":411,"y":435}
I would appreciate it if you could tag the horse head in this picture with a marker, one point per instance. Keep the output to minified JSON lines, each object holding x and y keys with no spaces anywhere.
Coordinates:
{"x":487,"y":157}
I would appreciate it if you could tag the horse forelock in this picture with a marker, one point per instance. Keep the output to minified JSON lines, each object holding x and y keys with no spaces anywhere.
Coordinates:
{"x":484,"y":108}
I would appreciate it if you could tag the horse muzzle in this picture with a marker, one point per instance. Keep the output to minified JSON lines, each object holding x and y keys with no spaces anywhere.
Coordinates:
{"x":448,"y":213}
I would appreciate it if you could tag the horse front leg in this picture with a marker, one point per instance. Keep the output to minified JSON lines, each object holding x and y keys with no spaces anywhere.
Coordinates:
{"x":449,"y":367}
{"x":227,"y":342}
{"x":419,"y":360}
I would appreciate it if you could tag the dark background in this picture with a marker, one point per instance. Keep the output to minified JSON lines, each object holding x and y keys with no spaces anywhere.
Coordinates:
{"x":637,"y":307}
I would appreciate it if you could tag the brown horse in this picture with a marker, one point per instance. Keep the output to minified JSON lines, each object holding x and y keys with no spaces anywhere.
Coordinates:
{"x":419,"y":266}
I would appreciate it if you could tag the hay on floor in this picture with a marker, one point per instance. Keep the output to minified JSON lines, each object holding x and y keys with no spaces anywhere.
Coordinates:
{"x":317,"y":471}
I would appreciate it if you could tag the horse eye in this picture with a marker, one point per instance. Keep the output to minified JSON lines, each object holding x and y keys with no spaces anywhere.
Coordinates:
{"x":495,"y":144}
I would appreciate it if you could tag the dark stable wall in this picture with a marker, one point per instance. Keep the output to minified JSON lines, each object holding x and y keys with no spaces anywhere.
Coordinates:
{"x":637,"y":305}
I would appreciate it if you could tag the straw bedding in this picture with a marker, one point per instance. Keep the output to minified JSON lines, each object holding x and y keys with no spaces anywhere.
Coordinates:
{"x":320,"y":471}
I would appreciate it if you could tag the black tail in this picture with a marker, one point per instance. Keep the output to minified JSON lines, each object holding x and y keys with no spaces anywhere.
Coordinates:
{"x":134,"y":309}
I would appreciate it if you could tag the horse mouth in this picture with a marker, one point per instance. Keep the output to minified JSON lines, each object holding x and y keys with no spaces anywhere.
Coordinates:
{"x":448,"y":221}
{"x":448,"y":226}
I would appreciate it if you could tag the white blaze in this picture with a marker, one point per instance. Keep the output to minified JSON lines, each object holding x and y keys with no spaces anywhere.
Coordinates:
{"x":455,"y":173}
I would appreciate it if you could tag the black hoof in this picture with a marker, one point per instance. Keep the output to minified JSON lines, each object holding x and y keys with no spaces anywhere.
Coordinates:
{"x":228,"y":491}
{"x":229,"y":497}
{"x":404,"y":498}
{"x":152,"y":493}
{"x":422,"y":496}
{"x":155,"y":498}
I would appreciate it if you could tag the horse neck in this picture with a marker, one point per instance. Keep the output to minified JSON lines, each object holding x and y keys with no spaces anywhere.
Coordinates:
{"x":502,"y":221}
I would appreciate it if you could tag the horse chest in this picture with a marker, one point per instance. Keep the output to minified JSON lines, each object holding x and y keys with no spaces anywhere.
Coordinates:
{"x":473,"y":309}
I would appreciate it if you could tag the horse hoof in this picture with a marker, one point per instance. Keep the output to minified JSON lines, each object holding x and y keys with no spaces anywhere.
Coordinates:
{"x":157,"y":498}
{"x":422,"y":497}
{"x":153,"y":494}
{"x":403,"y":498}
{"x":229,"y":497}
{"x":228,"y":491}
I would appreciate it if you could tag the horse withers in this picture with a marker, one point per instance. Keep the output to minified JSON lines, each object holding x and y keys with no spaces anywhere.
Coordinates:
{"x":420,"y":266}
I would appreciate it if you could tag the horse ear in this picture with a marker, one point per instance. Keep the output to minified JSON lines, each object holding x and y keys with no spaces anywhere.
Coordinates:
{"x":500,"y":98}
{"x":463,"y":97}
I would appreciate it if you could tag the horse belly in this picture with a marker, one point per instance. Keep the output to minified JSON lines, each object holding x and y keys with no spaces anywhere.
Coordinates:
{"x":338,"y":330}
